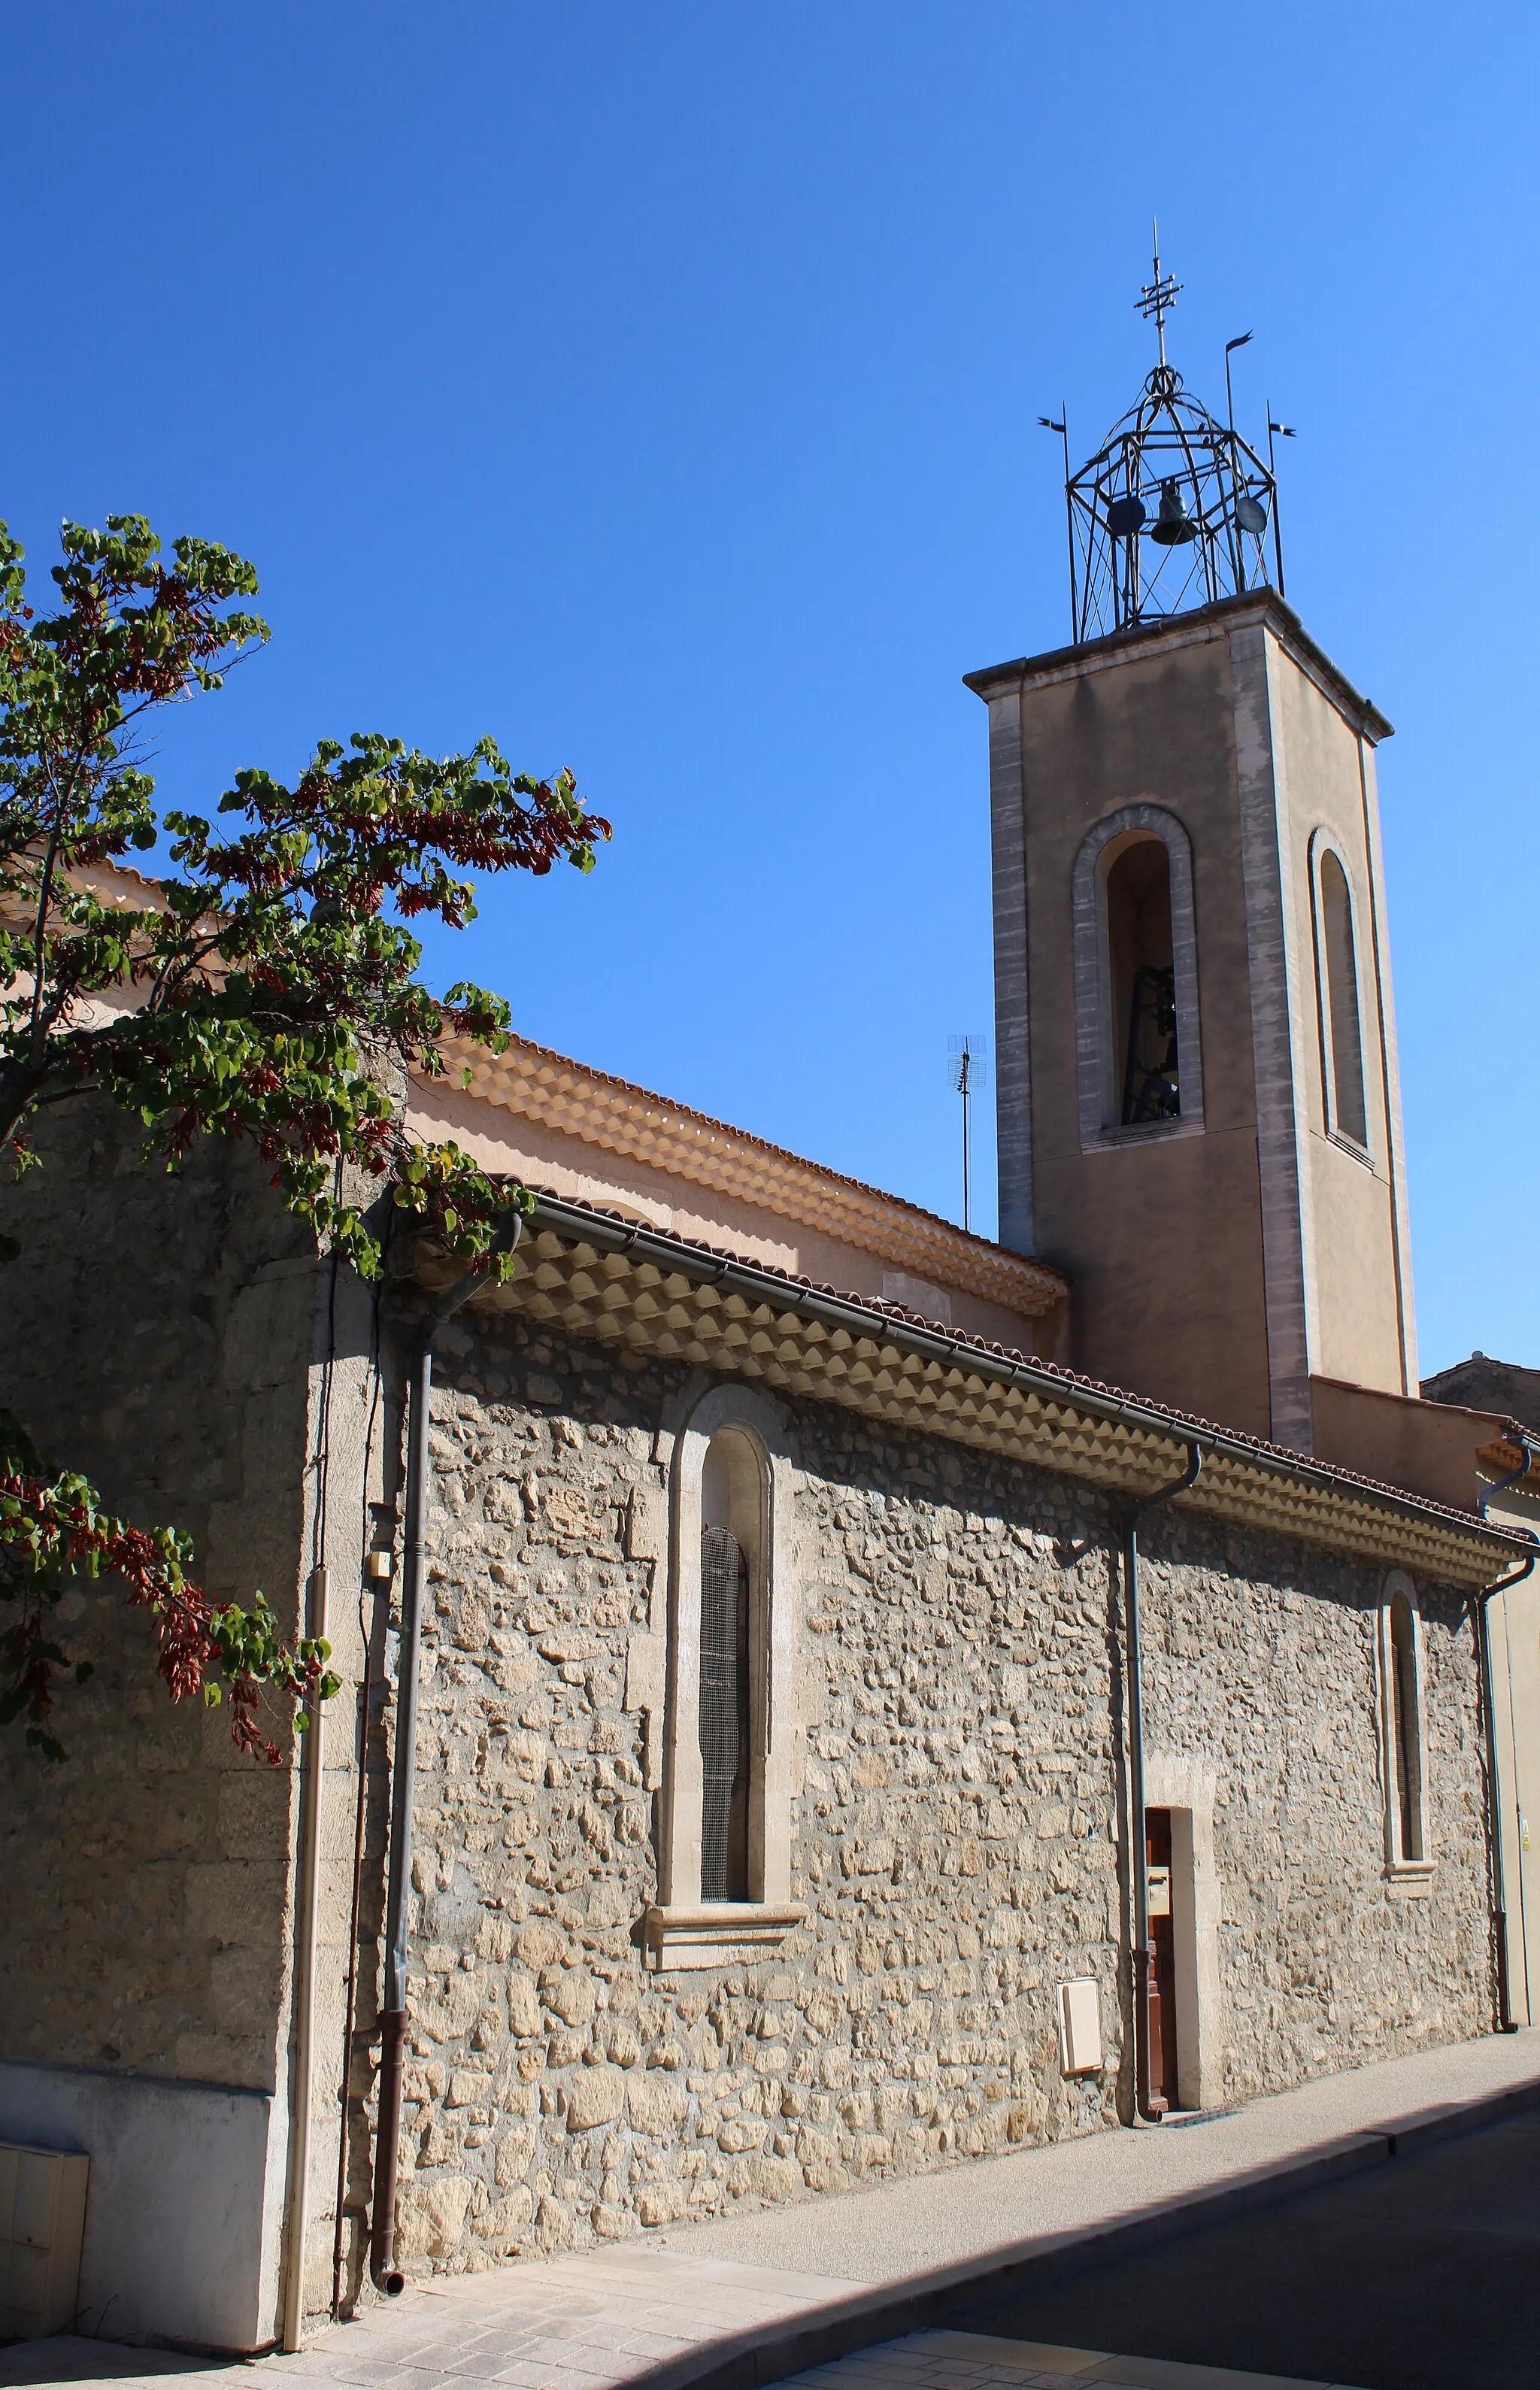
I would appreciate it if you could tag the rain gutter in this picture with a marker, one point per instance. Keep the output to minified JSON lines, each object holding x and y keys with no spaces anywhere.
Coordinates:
{"x":577,"y":1224}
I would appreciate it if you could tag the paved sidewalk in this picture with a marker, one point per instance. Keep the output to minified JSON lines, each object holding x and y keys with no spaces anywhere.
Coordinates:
{"x":943,"y":2220}
{"x":598,"y":2320}
{"x":945,"y":2361}
{"x":971,"y":2361}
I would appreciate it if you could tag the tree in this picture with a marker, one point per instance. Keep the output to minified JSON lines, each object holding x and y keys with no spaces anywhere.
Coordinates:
{"x":276,"y":998}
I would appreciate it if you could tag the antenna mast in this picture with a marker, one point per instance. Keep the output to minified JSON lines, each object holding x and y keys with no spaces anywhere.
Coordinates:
{"x":968,"y":1062}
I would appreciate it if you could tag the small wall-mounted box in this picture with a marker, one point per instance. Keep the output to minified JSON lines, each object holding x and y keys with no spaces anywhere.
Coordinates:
{"x":42,"y":2220}
{"x":1080,"y":2027}
{"x":380,"y":1567}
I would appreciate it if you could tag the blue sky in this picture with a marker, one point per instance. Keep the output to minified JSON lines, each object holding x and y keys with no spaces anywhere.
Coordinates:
{"x":657,"y":389}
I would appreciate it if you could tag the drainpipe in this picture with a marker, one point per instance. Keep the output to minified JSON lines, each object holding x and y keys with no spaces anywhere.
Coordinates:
{"x":383,"y":2270}
{"x":1149,"y":2105}
{"x":309,"y":1894}
{"x":1481,"y":1621}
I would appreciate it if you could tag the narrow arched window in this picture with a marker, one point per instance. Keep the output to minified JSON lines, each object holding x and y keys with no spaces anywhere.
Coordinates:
{"x":1345,"y":1068}
{"x":728,"y":1778}
{"x":1138,"y":1039}
{"x":723,"y":1717}
{"x":1143,"y":982}
{"x":1406,"y":1735}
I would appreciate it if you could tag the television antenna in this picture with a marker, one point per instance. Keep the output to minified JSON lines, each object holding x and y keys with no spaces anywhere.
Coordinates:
{"x":966,"y":1067}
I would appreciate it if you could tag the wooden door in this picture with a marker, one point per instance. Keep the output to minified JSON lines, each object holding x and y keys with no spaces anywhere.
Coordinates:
{"x":1163,"y":1961}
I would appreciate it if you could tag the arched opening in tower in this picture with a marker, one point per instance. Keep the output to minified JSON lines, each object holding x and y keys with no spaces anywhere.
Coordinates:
{"x":1143,"y":990}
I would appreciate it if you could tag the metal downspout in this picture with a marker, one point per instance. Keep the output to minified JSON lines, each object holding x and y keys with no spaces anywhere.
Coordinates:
{"x":305,"y":1928}
{"x":383,"y":2271}
{"x":1481,"y":1619}
{"x":1149,"y":2107}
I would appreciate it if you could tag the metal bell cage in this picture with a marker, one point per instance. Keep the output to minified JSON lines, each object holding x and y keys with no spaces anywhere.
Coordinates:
{"x":1172,"y":512}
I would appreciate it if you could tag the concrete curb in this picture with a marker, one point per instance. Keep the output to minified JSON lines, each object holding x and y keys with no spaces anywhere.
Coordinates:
{"x":1445,"y":2123}
{"x":748,"y":2360}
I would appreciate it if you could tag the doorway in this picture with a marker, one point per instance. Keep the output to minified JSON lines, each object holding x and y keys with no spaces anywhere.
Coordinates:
{"x":1163,"y":1959}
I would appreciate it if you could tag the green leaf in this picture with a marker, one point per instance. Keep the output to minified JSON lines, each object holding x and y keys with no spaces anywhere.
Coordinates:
{"x":274,"y":998}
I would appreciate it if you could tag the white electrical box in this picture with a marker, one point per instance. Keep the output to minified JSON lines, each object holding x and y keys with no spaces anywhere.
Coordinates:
{"x":1079,"y":2028}
{"x":42,"y":2220}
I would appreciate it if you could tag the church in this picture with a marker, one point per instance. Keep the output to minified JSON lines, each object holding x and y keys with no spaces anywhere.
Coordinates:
{"x":826,"y":1696}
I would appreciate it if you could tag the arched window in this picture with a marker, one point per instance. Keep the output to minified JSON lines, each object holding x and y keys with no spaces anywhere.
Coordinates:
{"x":723,"y":1706}
{"x":1146,"y":1064}
{"x":1403,"y":1736}
{"x":1404,"y":1712}
{"x":1337,"y":970}
{"x":724,"y":1860}
{"x":1139,"y":1060}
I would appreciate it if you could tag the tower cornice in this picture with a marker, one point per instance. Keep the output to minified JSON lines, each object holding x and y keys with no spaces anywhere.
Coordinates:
{"x":1172,"y":631}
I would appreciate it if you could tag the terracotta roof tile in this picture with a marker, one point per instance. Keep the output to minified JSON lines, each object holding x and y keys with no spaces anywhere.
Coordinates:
{"x":619,"y":1117}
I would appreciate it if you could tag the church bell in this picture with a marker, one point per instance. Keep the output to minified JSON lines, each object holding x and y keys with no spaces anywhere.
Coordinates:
{"x":1173,"y":526}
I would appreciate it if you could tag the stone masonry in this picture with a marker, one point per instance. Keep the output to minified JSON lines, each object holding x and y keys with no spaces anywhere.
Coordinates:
{"x":955,"y":1837}
{"x":158,"y":1335}
{"x":957,"y":1788}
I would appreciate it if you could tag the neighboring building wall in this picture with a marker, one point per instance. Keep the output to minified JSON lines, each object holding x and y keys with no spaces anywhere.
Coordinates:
{"x":954,"y":1817}
{"x":1515,"y":1628}
{"x":1488,"y":1385}
{"x":1428,"y":1447}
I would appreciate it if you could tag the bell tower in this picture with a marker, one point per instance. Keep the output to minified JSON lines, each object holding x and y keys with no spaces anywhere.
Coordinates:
{"x":1199,"y":1097}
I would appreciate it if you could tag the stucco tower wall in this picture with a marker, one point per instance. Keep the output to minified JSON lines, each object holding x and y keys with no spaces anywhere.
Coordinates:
{"x":1162,"y":1235}
{"x":1223,"y":1258}
{"x":1363,"y":1330}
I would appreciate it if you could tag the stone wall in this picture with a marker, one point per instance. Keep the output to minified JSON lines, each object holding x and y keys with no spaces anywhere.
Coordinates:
{"x":955,"y":1834}
{"x":955,"y":1837}
{"x":1260,"y":1661}
{"x":158,"y":1335}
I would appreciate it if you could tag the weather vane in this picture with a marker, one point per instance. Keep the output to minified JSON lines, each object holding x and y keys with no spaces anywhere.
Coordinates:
{"x":1157,"y":297}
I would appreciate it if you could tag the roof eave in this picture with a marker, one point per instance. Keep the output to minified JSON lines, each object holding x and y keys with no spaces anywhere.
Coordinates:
{"x":598,"y":1275}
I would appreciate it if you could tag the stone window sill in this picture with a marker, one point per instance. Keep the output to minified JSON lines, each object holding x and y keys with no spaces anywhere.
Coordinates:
{"x":1409,"y":1879}
{"x":1107,"y":1140}
{"x":718,"y":1933}
{"x":1350,"y":1147}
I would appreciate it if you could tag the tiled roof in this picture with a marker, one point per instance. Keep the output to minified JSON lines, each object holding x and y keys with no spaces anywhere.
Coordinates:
{"x":597,"y":1275}
{"x":623,"y":1119}
{"x":614,"y":1115}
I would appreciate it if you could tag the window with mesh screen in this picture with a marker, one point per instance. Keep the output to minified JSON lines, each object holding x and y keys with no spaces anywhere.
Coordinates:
{"x":723,"y":1717}
{"x":1407,"y":1739}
